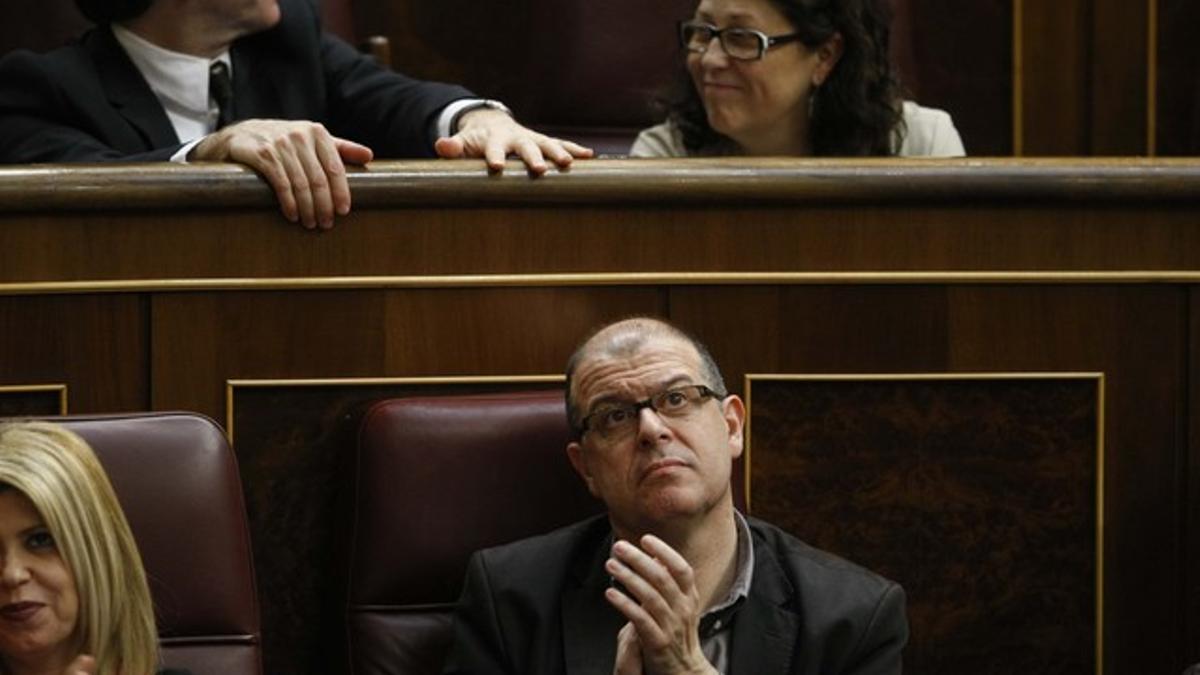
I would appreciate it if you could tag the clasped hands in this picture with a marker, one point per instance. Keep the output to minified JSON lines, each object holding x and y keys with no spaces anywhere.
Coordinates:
{"x":662,"y":604}
{"x":306,"y":165}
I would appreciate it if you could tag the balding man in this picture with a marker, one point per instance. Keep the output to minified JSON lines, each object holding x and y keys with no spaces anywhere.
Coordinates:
{"x":672,"y":579}
{"x":256,"y":82}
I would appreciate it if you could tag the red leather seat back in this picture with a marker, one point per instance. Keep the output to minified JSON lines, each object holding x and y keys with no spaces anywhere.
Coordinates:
{"x":433,"y":480}
{"x":177,"y":480}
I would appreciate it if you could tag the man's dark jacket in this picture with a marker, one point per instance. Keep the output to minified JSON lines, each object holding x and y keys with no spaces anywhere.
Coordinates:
{"x":88,"y":102}
{"x":537,"y":607}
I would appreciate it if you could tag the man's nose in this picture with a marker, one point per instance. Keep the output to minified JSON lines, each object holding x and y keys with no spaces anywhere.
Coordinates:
{"x":651,"y":427}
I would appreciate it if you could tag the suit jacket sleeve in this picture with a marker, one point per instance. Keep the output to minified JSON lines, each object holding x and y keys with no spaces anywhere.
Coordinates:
{"x":478,"y":646}
{"x":879,"y":649}
{"x":393,"y":114}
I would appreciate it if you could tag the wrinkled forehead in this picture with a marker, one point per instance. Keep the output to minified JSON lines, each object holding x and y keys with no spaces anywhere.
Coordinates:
{"x":635,"y":367}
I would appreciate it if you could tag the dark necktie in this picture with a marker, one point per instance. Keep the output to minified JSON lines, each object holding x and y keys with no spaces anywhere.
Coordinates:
{"x":220,"y":90}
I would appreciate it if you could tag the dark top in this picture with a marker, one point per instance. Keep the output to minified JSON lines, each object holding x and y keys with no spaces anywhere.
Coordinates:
{"x":537,"y":607}
{"x":88,"y":102}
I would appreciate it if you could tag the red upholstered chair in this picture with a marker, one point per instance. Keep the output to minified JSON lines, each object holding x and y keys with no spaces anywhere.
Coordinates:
{"x":433,"y":480}
{"x":178,"y":482}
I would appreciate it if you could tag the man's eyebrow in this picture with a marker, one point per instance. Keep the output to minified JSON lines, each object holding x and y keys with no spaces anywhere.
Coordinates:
{"x":614,"y":399}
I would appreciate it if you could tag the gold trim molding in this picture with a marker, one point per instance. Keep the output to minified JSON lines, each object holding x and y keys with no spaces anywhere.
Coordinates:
{"x":1099,"y":380}
{"x":598,"y":279}
{"x":61,"y":388}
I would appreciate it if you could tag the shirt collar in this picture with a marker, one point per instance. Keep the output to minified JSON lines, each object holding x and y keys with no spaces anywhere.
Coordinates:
{"x":740,"y":587}
{"x":179,"y":81}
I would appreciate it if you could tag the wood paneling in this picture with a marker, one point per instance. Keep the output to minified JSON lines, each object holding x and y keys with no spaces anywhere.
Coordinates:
{"x":1191,"y":478}
{"x":870,"y":267}
{"x":447,"y":218}
{"x":1178,"y":119}
{"x":32,"y":400}
{"x":1119,"y":67}
{"x":1055,"y":77}
{"x":96,"y":345}
{"x":958,"y":56}
{"x":978,"y":495}
{"x":1112,"y":330}
{"x":322,"y":334}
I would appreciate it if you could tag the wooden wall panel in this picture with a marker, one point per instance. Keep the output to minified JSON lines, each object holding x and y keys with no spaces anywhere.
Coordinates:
{"x":1054,"y":78}
{"x":1178,"y":102}
{"x":200,"y":341}
{"x":857,"y":329}
{"x":1191,"y":479}
{"x":978,"y":495}
{"x":499,"y":331}
{"x":1117,"y":95}
{"x":203,"y":340}
{"x":32,"y":400}
{"x":95,"y":344}
{"x":959,"y":58}
{"x":1109,"y":330}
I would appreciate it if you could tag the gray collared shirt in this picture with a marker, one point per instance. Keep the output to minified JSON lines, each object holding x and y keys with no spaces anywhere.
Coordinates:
{"x":716,"y":624}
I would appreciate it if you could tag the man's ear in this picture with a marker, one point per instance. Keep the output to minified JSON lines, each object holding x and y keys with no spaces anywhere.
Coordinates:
{"x":735,"y":423}
{"x":828,"y":56}
{"x":578,"y":457}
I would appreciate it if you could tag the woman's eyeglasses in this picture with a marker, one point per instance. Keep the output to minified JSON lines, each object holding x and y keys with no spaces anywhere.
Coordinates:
{"x":741,"y":44}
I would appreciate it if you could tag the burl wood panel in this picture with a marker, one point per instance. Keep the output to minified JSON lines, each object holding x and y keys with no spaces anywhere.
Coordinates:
{"x":977,"y":495}
{"x":290,"y":442}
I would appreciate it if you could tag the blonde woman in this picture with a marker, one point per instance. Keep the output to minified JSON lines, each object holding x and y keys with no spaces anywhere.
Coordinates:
{"x":73,"y":593}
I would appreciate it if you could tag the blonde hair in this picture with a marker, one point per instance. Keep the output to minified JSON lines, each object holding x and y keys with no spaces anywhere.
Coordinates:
{"x":58,"y":472}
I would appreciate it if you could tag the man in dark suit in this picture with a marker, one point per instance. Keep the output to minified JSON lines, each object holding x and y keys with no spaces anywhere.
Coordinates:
{"x":170,"y":79}
{"x":673,"y":579}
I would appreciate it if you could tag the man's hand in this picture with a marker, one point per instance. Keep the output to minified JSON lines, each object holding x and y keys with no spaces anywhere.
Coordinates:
{"x":82,"y":665}
{"x":492,"y":134}
{"x":664,"y":610}
{"x":302,"y":162}
{"x":629,"y":652}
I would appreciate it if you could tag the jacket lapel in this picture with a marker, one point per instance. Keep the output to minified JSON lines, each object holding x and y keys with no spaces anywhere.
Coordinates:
{"x":128,"y":92}
{"x":589,"y":623}
{"x":765,"y":630}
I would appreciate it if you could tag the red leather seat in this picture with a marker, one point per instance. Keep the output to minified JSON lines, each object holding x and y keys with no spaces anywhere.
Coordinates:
{"x":177,"y":480}
{"x":434,"y":479}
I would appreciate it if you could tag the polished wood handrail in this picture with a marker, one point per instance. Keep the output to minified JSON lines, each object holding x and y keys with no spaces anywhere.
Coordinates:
{"x":464,"y":183}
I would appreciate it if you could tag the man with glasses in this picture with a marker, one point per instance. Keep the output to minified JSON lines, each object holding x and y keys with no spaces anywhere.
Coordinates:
{"x":672,"y":579}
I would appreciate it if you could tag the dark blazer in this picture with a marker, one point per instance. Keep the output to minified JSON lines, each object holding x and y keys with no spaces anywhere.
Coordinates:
{"x":537,"y":607}
{"x":88,"y":102}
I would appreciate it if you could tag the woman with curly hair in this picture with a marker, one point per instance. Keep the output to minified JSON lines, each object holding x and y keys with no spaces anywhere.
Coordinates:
{"x":73,"y":593}
{"x":793,"y":78}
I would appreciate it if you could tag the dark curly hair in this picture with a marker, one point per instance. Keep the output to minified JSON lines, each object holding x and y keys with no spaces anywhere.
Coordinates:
{"x":103,"y":12}
{"x":858,"y":109}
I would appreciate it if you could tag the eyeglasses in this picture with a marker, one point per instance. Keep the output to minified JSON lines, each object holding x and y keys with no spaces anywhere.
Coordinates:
{"x":741,"y":44}
{"x":612,"y":422}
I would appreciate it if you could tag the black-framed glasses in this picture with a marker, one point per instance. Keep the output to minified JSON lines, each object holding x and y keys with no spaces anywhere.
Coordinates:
{"x":613,"y":421}
{"x":742,"y":44}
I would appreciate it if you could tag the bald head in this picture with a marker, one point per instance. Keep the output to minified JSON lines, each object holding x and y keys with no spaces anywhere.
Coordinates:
{"x":623,"y":340}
